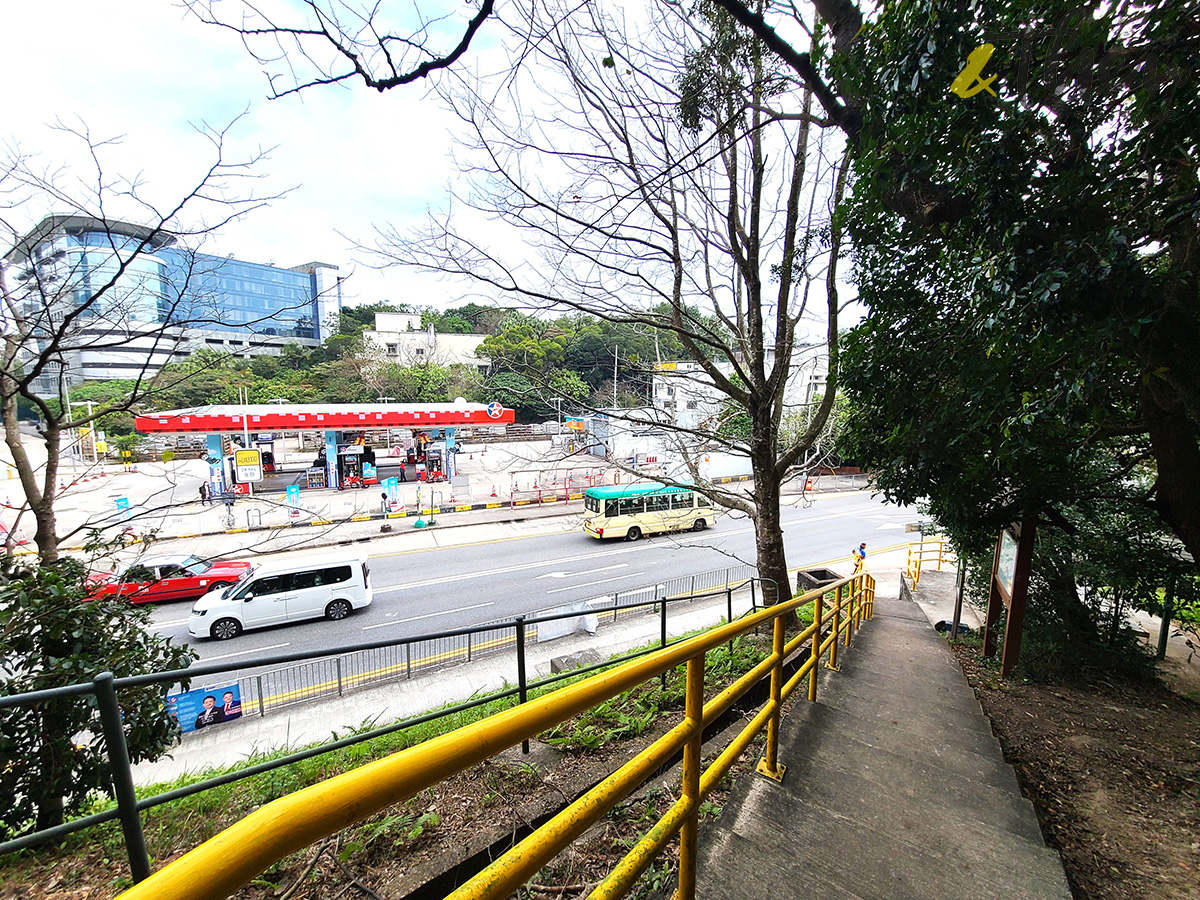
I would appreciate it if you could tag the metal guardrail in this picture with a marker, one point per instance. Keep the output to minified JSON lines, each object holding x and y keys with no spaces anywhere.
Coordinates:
{"x":221,"y":865}
{"x":321,"y":675}
{"x":333,"y":676}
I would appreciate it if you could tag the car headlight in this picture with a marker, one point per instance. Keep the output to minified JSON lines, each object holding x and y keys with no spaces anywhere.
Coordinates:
{"x":199,"y":612}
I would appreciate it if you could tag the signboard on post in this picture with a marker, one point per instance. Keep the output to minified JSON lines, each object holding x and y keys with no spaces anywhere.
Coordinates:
{"x":248,"y":465}
{"x":1009,"y":589}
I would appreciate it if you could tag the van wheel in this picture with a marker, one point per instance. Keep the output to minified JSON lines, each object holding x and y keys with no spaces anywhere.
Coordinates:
{"x":224,"y":629}
{"x":633,"y":534}
{"x":337,"y":609}
{"x":699,"y":525}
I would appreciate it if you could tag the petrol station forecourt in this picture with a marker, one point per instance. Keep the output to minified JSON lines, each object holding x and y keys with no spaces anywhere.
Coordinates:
{"x":345,"y":459}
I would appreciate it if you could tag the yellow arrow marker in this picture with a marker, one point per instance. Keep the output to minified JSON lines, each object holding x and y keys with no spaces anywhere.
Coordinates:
{"x":969,"y":81}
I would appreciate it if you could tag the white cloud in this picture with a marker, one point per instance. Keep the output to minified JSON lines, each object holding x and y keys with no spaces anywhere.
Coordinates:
{"x":142,"y":70}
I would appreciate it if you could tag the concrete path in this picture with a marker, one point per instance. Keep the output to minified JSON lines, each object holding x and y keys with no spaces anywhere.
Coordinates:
{"x":895,"y":789}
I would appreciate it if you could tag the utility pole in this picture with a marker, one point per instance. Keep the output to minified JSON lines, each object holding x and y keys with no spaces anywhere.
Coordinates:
{"x":614,"y":376}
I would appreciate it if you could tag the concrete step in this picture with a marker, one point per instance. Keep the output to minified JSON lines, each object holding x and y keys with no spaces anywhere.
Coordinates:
{"x":828,"y":857}
{"x":968,"y":754}
{"x":988,"y":799}
{"x":929,"y":698}
{"x":896,"y":789}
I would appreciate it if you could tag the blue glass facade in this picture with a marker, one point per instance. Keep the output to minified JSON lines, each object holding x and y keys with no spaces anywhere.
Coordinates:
{"x":172,"y":285}
{"x":233,"y":295}
{"x":140,"y":280}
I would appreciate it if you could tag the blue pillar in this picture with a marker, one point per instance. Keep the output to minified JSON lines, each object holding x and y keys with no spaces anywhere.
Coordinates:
{"x":216,"y":473}
{"x":331,"y":460}
{"x":451,"y":456}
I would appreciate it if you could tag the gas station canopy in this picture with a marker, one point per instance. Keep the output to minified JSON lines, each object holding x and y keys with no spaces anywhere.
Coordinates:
{"x":322,"y":417}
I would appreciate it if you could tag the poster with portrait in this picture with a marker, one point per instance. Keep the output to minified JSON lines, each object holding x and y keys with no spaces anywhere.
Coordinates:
{"x":206,"y":707}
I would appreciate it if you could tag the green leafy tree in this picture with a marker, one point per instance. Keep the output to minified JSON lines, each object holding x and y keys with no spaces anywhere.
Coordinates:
{"x":52,"y":755}
{"x":525,"y":343}
{"x":1047,"y":223}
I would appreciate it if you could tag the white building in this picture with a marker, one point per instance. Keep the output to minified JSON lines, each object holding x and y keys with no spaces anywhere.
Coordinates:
{"x":401,"y":339}
{"x":685,"y":393}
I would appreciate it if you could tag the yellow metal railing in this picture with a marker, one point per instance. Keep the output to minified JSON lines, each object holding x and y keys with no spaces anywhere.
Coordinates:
{"x":232,"y":858}
{"x":933,"y":550}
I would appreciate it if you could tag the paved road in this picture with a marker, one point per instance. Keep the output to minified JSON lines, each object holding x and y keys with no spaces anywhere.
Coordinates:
{"x":428,"y":590}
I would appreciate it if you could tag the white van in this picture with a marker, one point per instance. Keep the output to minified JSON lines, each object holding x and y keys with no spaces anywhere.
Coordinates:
{"x":284,"y":591}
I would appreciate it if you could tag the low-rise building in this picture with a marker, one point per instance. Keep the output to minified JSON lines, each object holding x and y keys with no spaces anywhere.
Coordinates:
{"x":401,"y":339}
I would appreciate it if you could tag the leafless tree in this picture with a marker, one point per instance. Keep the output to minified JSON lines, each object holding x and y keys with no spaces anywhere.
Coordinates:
{"x":322,"y":42}
{"x":660,"y":183}
{"x":60,"y":303}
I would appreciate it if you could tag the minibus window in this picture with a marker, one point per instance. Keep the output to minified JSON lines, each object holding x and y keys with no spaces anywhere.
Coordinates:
{"x":631,"y":506}
{"x":658,"y":503}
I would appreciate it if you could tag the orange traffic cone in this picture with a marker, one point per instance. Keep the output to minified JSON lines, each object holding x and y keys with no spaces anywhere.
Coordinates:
{"x":493,"y":490}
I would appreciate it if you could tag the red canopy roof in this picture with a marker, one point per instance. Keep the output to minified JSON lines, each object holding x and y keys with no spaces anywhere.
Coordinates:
{"x":321,"y":417}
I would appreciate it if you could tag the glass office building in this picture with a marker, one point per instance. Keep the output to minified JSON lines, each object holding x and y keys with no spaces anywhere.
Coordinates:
{"x":135,"y":299}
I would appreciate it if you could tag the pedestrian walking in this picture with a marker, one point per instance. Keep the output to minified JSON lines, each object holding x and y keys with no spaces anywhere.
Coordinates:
{"x":204,"y":492}
{"x":860,"y":557}
{"x":403,"y":474}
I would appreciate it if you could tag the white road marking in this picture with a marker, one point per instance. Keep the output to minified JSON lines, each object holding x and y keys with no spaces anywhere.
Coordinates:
{"x":588,"y":572}
{"x":487,"y":573}
{"x":590,"y":583}
{"x":428,"y":616}
{"x":244,"y":652}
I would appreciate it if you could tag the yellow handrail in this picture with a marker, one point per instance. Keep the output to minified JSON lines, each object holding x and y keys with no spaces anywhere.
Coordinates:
{"x":232,"y":858}
{"x":921,"y":551}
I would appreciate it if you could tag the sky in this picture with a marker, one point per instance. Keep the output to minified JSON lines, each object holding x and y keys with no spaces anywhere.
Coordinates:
{"x":350,"y":159}
{"x":145,"y":72}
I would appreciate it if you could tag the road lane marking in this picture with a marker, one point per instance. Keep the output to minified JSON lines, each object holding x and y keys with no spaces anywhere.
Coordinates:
{"x":429,"y":615}
{"x":588,"y":572}
{"x":590,"y":583}
{"x":244,"y":652}
{"x":487,"y":573}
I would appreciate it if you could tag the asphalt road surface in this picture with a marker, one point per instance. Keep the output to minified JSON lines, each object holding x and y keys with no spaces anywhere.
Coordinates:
{"x":424,"y":591}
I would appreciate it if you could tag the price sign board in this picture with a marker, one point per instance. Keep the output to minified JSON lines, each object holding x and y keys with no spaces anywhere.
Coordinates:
{"x":248,"y":465}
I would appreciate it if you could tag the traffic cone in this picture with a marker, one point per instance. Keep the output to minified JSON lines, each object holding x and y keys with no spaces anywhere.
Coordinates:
{"x":493,"y":490}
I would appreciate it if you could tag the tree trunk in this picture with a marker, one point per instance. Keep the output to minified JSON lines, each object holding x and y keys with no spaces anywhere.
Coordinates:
{"x":39,"y":498}
{"x":768,"y":537}
{"x":1170,"y":394}
{"x":49,"y":790}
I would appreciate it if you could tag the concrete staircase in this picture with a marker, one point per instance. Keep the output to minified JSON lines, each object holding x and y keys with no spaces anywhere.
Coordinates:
{"x":895,"y":790}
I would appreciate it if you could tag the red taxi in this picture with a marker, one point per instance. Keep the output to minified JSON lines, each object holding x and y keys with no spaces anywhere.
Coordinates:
{"x":181,"y":577}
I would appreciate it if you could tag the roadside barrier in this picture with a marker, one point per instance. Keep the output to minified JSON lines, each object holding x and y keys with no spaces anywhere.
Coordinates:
{"x":932,"y":550}
{"x":320,"y":675}
{"x":238,"y":854}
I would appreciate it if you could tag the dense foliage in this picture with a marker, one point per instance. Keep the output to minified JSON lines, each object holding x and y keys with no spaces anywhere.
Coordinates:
{"x":52,"y":756}
{"x":1029,"y":263}
{"x":540,"y":367}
